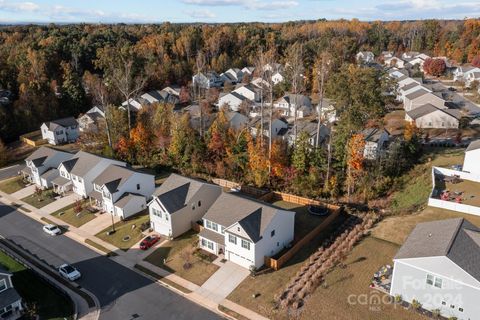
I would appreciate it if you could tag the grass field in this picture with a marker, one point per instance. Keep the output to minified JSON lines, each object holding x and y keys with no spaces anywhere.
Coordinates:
{"x":40,"y":201}
{"x":174,"y":253}
{"x":123,"y":229}
{"x":417,"y":184}
{"x":68,"y":215}
{"x":50,"y":304}
{"x":12,"y":185}
{"x":304,"y":221}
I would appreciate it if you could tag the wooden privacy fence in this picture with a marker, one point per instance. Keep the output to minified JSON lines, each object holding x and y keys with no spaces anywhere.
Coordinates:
{"x":252,"y":191}
{"x":277,"y":196}
{"x":33,"y":138}
{"x":276,"y":264}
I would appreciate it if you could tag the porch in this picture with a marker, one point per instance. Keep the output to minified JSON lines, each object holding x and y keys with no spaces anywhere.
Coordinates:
{"x":61,"y":185}
{"x":95,"y":200}
{"x":212,"y":242}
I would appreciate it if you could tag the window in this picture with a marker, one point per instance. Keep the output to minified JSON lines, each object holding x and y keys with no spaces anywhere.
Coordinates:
{"x":193,"y":207}
{"x":222,"y":229}
{"x":166,"y":217}
{"x":272,"y":234}
{"x":460,"y":309}
{"x":245,"y":244}
{"x":429,"y":279}
{"x":278,"y":244}
{"x":210,"y":245}
{"x":3,"y":285}
{"x":214,"y":226}
{"x":452,"y":306}
{"x":157,"y":212}
{"x":80,"y":180}
{"x":444,"y":303}
{"x":232,"y":239}
{"x":138,"y":186}
{"x":438,"y":282}
{"x":204,"y":242}
{"x":199,"y":203}
{"x":208,"y":224}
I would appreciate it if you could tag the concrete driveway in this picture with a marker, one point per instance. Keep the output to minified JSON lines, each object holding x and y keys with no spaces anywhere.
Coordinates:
{"x":61,"y":203}
{"x":101,"y":222}
{"x":25,"y":192}
{"x":223,"y":282}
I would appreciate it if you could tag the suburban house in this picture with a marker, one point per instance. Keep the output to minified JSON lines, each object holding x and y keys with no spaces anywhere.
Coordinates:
{"x":387,"y":54}
{"x":236,"y":120}
{"x":327,"y":111}
{"x":78,"y":172}
{"x":277,"y":77}
{"x":394,"y":62}
{"x":121,"y":191}
{"x":430,"y":116}
{"x":457,"y":189}
{"x":279,"y":127}
{"x":409,"y":88}
{"x":41,"y":166}
{"x":232,"y":100}
{"x":405,"y":80}
{"x":365,"y":57}
{"x":409,"y":55}
{"x":286,"y":105}
{"x":376,"y":141}
{"x":248,"y":71}
{"x":232,"y":75}
{"x":167,"y":95}
{"x":438,"y":266}
{"x":207,"y":80}
{"x":471,"y":77}
{"x":310,"y":128}
{"x":10,"y":301}
{"x":245,"y":231}
{"x":91,"y":119}
{"x":461,"y":73}
{"x":260,"y":83}
{"x":60,"y":131}
{"x":249,"y":92}
{"x":421,"y":97}
{"x":178,"y":203}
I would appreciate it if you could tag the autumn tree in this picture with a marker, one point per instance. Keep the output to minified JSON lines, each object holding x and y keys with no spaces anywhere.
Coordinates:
{"x":355,"y":162}
{"x":434,"y":67}
{"x":296,"y":71}
{"x":476,"y":61}
{"x":258,"y":163}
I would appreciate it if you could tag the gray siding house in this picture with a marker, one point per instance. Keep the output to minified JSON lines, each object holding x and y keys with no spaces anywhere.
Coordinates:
{"x":439,"y":266}
{"x":10,"y":301}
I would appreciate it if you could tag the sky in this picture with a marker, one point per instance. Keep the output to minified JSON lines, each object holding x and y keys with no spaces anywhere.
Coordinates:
{"x":151,"y":11}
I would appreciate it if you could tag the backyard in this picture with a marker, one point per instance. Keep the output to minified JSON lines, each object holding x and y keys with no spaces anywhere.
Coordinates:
{"x":69,"y":215}
{"x":467,"y":191}
{"x":127,"y":232}
{"x":49,"y":303}
{"x":40,"y":200}
{"x":12,"y":185}
{"x":177,"y":252}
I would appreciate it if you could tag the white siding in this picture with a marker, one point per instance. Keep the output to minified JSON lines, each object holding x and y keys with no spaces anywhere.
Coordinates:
{"x":472,"y":161}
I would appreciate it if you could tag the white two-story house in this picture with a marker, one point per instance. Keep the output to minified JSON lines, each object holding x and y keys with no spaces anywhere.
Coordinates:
{"x":122,"y":191}
{"x":10,"y":301}
{"x":245,"y":231}
{"x":77,"y":173}
{"x":376,"y":141}
{"x":178,"y":203}
{"x":60,"y":131}
{"x":286,"y":105}
{"x":439,"y":266}
{"x":41,"y":166}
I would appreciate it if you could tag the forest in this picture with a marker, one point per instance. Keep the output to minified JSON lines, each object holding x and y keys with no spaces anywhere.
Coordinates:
{"x":54,"y":71}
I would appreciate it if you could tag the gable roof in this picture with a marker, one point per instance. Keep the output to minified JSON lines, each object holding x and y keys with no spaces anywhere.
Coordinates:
{"x":84,"y":163}
{"x":113,"y":177}
{"x":254,"y":216}
{"x":474,"y":145}
{"x":422,"y":111}
{"x":373,"y":134}
{"x":42,"y":154}
{"x":177,"y":190}
{"x":416,"y":94}
{"x":456,"y":239}
{"x":126,"y":198}
{"x":292,"y":98}
{"x":64,"y":122}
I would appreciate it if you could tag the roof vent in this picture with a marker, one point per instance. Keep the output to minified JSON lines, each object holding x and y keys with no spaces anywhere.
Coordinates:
{"x":429,"y":235}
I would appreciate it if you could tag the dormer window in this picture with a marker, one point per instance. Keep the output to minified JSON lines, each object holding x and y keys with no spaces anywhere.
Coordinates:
{"x":272,"y":234}
{"x":138,"y":186}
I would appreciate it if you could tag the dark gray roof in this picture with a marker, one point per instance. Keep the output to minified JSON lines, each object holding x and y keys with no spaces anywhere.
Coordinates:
{"x":126,"y":198}
{"x":51,"y":173}
{"x":456,"y":239}
{"x":64,"y":122}
{"x":230,"y":208}
{"x":373,"y":134}
{"x":422,"y":111}
{"x":474,"y":145}
{"x":176,"y":191}
{"x":416,"y":94}
{"x":410,"y":86}
{"x":113,"y":177}
{"x":8,"y":297}
{"x":61,"y":181}
{"x":84,"y":163}
{"x":212,"y":236}
{"x":42,"y":154}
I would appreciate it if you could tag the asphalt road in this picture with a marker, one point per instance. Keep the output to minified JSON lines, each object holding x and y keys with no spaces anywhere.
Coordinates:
{"x":10,"y":172}
{"x":123,"y":293}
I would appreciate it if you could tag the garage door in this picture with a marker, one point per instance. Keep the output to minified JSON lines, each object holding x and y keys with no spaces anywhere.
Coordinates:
{"x":244,"y":262}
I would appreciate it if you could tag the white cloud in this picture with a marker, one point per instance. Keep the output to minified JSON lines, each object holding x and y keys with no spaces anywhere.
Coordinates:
{"x":201,"y":14}
{"x":248,"y":4}
{"x":19,"y":6}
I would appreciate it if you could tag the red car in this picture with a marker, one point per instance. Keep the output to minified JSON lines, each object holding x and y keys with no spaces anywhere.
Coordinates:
{"x":149,"y":242}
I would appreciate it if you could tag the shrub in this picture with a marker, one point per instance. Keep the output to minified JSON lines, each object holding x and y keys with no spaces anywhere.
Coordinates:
{"x":416,"y":304}
{"x":398,"y":298}
{"x":436,"y":313}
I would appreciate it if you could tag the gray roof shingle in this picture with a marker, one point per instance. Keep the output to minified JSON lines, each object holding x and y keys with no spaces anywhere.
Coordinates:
{"x":474,"y":145}
{"x":113,"y":177}
{"x":456,"y":239}
{"x":8,"y":297}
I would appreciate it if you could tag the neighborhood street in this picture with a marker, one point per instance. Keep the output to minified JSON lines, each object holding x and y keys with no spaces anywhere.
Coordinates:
{"x":123,"y":293}
{"x":11,"y":172}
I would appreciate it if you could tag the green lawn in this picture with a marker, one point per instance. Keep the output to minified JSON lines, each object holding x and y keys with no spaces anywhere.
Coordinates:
{"x":124,"y":229}
{"x":12,"y":185}
{"x":49,"y":302}
{"x":68,"y":215}
{"x":176,"y":252}
{"x":40,"y":201}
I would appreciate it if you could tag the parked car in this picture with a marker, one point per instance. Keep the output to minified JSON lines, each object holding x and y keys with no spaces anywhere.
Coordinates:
{"x":52,"y":229}
{"x":149,"y":242}
{"x":69,"y":272}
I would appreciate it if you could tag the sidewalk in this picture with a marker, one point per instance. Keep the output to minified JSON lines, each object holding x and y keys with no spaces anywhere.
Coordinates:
{"x":129,"y":260}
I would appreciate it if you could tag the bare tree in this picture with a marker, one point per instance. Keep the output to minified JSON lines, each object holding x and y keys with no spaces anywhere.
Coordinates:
{"x":321,"y":75}
{"x":261,"y":73}
{"x":198,"y":89}
{"x":296,"y":70}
